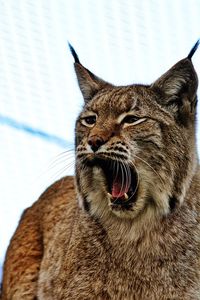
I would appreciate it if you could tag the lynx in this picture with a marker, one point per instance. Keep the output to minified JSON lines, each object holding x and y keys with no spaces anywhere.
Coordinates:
{"x":128,"y":225}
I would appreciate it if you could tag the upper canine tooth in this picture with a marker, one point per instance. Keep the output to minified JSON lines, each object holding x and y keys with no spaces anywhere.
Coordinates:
{"x":110,"y":196}
{"x":126,"y":196}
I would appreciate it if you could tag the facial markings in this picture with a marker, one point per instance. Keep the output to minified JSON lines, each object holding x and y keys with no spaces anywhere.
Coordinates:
{"x":104,"y":114}
{"x":115,"y":101}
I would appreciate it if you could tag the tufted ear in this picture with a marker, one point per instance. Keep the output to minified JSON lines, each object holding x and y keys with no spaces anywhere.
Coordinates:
{"x":179,"y":86}
{"x":89,"y":83}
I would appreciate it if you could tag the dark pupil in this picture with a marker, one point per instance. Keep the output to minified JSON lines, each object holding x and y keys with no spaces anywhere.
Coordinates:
{"x":90,"y":120}
{"x":130,"y":119}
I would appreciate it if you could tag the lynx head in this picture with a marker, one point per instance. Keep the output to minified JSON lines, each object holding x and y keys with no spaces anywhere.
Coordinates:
{"x":135,"y":145}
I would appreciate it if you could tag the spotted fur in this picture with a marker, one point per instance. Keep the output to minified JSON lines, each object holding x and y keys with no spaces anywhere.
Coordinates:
{"x":85,"y":243}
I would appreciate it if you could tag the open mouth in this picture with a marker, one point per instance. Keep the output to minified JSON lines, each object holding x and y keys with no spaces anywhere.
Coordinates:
{"x":122,"y":182}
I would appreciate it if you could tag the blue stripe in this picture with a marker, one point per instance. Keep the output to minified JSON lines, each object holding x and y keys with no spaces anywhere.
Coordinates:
{"x":34,"y":131}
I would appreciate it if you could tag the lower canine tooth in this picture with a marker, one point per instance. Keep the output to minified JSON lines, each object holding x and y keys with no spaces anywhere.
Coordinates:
{"x":126,"y":196}
{"x":109,"y":195}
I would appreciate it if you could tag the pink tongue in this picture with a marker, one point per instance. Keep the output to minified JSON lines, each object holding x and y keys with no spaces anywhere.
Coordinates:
{"x":118,"y":190}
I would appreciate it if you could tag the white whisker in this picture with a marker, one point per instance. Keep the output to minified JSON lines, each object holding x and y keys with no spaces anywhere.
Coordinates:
{"x":138,"y":180}
{"x":157,"y":174}
{"x":67,"y":167}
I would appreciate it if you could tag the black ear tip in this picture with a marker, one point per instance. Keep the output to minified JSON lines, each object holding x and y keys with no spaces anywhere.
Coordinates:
{"x":193,"y":50}
{"x":73,"y":52}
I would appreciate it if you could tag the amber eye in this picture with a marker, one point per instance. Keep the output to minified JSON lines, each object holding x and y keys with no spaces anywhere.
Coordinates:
{"x":130,"y":119}
{"x":89,"y":120}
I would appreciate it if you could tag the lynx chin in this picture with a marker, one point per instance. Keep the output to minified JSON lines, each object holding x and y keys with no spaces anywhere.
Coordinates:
{"x":127,"y":226}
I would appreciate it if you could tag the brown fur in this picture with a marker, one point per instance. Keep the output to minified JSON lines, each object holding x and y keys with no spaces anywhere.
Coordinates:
{"x":76,"y":243}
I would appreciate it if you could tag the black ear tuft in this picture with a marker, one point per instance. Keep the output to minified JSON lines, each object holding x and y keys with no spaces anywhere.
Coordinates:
{"x":73,"y":52}
{"x":193,"y":50}
{"x":179,"y":87}
{"x":89,"y":83}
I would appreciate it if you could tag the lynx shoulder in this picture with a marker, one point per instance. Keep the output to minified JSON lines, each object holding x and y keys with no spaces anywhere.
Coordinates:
{"x":127,"y":226}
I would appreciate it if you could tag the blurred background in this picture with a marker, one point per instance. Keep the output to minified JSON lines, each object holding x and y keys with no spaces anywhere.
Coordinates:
{"x":122,"y":41}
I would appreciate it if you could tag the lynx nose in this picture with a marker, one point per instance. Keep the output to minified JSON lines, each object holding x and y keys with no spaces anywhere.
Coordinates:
{"x":96,"y":142}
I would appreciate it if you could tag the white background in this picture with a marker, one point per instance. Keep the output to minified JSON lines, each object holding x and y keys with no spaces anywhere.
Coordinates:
{"x":123,"y":42}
